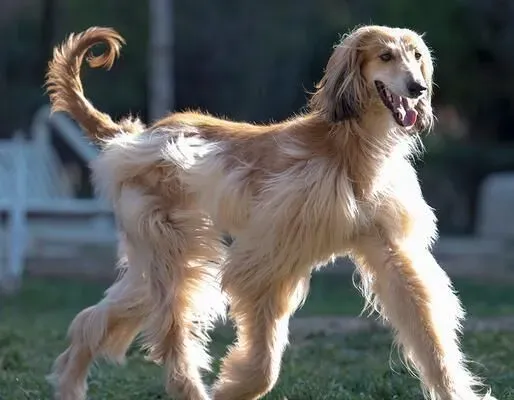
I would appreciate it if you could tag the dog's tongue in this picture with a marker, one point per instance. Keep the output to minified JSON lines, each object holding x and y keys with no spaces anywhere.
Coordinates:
{"x":409,"y":114}
{"x":410,"y":117}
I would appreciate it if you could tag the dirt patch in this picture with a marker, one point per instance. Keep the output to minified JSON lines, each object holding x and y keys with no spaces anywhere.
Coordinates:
{"x":305,"y":327}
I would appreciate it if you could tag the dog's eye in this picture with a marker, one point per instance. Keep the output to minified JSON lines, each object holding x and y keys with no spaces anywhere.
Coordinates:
{"x":417,"y":54}
{"x":386,"y":57}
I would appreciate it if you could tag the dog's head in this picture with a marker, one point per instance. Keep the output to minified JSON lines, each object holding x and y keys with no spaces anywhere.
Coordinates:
{"x":390,"y":68}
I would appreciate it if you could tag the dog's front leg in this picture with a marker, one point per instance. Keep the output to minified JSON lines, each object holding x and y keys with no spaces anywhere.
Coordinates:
{"x":263,"y":293}
{"x":416,"y":297}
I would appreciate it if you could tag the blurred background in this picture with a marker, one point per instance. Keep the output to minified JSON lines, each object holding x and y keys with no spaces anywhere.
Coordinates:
{"x":255,"y":60}
{"x":246,"y":60}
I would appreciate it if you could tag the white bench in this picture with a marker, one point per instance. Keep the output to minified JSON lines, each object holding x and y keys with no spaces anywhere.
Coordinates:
{"x":37,"y":201}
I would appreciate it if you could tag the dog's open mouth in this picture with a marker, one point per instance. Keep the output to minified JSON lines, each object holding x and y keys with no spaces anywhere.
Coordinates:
{"x":404,"y":114}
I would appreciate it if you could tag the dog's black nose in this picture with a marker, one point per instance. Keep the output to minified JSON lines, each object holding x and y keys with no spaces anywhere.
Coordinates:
{"x":416,"y":89}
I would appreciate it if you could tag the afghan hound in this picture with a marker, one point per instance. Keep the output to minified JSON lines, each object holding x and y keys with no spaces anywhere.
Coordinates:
{"x":335,"y":180}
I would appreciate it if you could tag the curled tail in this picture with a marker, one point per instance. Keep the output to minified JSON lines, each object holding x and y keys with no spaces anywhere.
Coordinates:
{"x":65,"y":87}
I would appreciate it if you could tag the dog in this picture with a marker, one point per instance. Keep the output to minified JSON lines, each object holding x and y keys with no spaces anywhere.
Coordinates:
{"x":335,"y":180}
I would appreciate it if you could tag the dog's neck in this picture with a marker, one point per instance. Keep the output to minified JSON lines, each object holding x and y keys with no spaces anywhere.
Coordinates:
{"x":363,"y":147}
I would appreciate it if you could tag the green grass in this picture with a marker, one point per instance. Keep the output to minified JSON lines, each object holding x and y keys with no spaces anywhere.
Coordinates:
{"x":334,"y":294}
{"x":33,"y":326}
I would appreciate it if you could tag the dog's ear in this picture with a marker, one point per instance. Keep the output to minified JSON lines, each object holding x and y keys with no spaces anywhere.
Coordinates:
{"x":425,"y":119}
{"x":342,"y":91}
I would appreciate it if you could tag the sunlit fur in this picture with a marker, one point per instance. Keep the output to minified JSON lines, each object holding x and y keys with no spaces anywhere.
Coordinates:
{"x":335,"y":180}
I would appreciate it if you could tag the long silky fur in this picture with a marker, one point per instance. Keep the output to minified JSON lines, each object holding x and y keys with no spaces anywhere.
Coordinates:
{"x":335,"y":180}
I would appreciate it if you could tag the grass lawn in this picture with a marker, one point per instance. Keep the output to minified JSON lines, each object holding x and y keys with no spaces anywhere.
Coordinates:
{"x":33,"y":326}
{"x":334,"y":294}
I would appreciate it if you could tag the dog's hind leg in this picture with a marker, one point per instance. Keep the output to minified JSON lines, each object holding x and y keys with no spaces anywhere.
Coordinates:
{"x":415,"y":295}
{"x":164,"y":293}
{"x":179,"y":249}
{"x":106,"y":329}
{"x":179,"y":338}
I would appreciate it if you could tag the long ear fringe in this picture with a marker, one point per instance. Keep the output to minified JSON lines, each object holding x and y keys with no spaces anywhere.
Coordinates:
{"x":341,"y":92}
{"x":425,"y":120}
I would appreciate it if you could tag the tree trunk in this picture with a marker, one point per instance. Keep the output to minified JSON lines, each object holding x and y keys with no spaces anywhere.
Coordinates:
{"x":160,"y":75}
